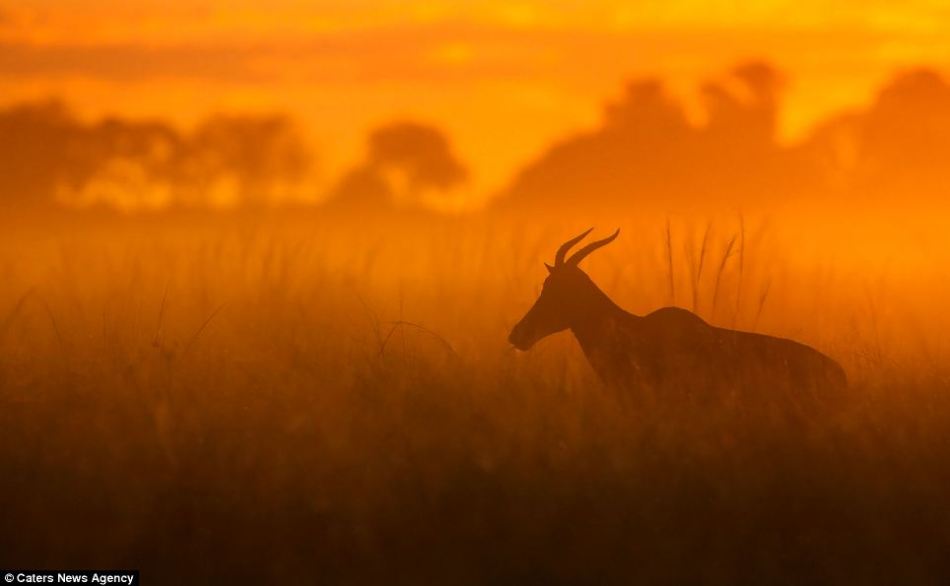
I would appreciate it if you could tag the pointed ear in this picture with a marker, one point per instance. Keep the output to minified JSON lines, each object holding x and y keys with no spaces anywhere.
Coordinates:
{"x":549,"y":267}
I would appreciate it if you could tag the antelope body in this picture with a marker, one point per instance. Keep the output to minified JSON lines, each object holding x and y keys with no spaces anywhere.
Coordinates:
{"x":669,"y":349}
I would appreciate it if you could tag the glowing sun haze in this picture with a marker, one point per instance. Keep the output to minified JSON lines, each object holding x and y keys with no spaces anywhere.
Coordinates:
{"x":502,"y":79}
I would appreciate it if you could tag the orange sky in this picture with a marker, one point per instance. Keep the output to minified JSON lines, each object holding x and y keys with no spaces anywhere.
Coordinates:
{"x":502,"y":78}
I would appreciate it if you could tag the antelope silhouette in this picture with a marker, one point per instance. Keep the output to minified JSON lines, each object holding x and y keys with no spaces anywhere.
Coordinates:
{"x":670,"y":348}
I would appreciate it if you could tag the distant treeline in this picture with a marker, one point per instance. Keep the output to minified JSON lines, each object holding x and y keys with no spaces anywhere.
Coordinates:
{"x":646,"y":152}
{"x":49,"y":157}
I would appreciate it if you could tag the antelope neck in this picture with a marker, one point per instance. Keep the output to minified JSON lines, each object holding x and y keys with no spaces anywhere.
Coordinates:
{"x":594,"y":316}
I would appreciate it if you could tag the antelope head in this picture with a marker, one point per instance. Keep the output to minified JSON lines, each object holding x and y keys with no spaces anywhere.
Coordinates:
{"x":568,"y":295}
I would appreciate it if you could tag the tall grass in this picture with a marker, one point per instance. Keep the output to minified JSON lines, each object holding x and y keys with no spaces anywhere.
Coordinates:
{"x":314,"y":401}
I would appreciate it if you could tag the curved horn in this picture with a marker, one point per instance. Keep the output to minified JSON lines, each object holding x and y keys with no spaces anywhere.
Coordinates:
{"x":582,"y":253}
{"x":559,"y":257}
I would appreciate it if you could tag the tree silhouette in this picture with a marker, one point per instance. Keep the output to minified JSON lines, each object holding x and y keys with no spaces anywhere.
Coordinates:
{"x":260,"y":155}
{"x":405,"y":163}
{"x":39,"y":153}
{"x":647,"y":151}
{"x":897,"y":148}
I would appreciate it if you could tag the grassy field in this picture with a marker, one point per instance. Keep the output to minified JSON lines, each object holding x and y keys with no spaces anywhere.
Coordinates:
{"x":316,"y":401}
